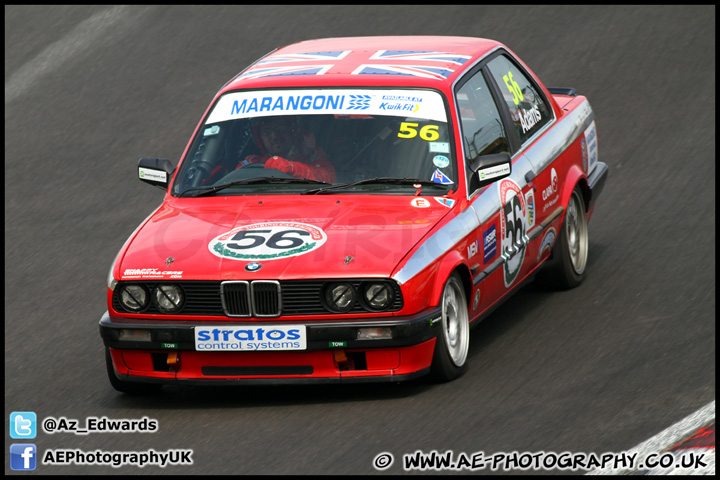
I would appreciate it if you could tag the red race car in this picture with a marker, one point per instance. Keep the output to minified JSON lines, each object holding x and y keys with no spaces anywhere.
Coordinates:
{"x":346,"y":210}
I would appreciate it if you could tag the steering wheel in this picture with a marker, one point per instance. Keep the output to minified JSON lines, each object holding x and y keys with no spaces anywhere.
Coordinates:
{"x":199,"y":171}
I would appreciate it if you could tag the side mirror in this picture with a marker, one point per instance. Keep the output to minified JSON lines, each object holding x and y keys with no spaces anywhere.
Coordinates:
{"x":490,"y":168}
{"x":155,"y":171}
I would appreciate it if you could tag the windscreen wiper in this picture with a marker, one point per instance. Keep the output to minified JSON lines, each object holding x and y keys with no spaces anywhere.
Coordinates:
{"x":379,"y":180}
{"x":202,"y":191}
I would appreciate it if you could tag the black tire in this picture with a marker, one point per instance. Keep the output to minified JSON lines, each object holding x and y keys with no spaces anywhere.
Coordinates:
{"x":453,"y":341}
{"x":570,"y":252}
{"x":131,"y":388}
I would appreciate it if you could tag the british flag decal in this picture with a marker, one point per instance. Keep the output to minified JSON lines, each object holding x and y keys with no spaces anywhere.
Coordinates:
{"x":415,"y":68}
{"x":425,"y":64}
{"x":411,"y":70}
{"x":413,"y":55}
{"x":281,"y":68}
{"x":301,"y":57}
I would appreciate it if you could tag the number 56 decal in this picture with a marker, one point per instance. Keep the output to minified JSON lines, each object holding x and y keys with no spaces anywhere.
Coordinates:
{"x":514,"y":88}
{"x":428,"y":132}
{"x":268,"y":241}
{"x":513,"y":228}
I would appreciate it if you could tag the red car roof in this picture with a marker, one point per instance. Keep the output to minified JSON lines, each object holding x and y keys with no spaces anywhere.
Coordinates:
{"x":420,"y":61}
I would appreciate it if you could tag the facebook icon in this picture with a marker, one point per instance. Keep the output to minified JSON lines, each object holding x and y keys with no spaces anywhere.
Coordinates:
{"x":23,"y":456}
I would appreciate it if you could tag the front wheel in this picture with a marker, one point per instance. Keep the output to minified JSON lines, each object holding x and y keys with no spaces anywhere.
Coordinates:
{"x":571,"y":248}
{"x":453,"y":341}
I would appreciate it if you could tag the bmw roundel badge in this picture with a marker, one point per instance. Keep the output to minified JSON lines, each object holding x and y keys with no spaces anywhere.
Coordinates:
{"x":253,"y":267}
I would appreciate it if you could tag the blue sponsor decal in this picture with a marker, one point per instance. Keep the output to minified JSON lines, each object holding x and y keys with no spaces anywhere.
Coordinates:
{"x":251,"y":338}
{"x":292,"y":103}
{"x":591,"y":136}
{"x":256,"y":333}
{"x":489,"y":244}
{"x":403,"y":107}
{"x":359,"y":102}
{"x":440,"y":177}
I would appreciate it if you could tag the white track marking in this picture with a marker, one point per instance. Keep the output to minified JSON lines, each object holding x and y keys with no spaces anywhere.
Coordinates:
{"x":98,"y":30}
{"x":667,"y":439}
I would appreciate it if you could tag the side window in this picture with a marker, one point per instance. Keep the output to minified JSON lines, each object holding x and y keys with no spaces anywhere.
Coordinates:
{"x":482,"y":128}
{"x":528,"y":111}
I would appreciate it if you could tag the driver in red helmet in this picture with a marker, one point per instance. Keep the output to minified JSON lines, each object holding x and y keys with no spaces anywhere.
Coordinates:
{"x":285,"y":148}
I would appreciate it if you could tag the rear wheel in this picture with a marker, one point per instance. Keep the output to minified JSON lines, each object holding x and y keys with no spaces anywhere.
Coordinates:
{"x":571,"y":248}
{"x":453,"y":341}
{"x":131,"y":388}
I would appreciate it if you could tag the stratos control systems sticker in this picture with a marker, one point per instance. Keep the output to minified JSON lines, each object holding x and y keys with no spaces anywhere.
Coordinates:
{"x":268,"y":241}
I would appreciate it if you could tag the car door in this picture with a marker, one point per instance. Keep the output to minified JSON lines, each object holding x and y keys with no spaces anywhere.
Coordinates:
{"x":529,"y":116}
{"x":483,"y":131}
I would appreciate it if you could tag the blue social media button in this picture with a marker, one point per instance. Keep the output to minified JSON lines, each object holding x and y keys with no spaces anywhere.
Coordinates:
{"x":23,"y":425}
{"x":23,"y":456}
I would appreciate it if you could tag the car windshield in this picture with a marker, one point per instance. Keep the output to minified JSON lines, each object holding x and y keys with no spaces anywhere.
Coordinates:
{"x":321,"y":141}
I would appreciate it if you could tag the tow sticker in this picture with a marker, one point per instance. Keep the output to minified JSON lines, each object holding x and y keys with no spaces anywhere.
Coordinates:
{"x":513,"y":228}
{"x":268,"y":241}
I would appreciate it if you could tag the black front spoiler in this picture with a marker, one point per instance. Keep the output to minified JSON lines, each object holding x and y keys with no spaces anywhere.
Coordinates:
{"x":321,"y":335}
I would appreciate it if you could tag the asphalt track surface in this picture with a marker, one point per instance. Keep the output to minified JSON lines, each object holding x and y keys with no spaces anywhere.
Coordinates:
{"x":89,"y":90}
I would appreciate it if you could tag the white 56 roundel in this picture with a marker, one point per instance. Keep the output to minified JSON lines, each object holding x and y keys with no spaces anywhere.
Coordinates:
{"x":513,"y":227}
{"x":268,"y":241}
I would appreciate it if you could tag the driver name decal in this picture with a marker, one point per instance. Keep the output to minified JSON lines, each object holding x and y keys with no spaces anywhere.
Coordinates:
{"x":268,"y":241}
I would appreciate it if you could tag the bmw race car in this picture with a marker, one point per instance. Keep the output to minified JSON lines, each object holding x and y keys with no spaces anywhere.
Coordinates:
{"x":347,"y":210}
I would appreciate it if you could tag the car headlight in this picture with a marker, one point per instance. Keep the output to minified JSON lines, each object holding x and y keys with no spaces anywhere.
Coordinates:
{"x":134,"y":297}
{"x":378,"y":296}
{"x":111,"y":282}
{"x":168,"y":298}
{"x":340,"y":297}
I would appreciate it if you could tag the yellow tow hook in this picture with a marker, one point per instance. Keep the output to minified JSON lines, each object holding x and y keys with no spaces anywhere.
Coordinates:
{"x":173,"y":359}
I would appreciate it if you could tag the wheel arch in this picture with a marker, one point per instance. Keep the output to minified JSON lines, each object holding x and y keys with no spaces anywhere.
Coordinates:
{"x":452,"y":263}
{"x":576,"y":177}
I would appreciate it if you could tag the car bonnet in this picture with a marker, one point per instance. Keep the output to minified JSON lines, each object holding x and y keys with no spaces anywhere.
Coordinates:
{"x":280,"y":237}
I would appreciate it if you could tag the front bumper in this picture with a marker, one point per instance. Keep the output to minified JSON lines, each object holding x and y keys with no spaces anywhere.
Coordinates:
{"x":333,"y":354}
